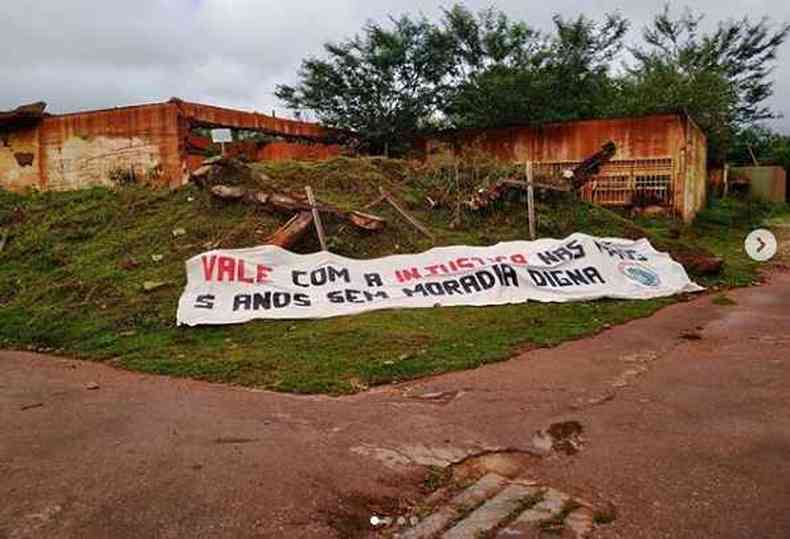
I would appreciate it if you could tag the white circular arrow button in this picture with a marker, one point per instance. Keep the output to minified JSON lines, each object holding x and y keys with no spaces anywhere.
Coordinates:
{"x":760,"y":245}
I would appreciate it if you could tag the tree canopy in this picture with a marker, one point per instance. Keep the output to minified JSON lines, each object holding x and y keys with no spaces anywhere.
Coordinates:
{"x":411,"y":75}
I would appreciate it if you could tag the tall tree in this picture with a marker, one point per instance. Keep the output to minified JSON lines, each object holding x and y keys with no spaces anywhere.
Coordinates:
{"x":722,"y":78}
{"x":557,"y":76}
{"x":384,"y":84}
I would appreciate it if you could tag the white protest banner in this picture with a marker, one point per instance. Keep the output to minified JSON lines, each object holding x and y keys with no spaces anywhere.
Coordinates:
{"x":232,"y":286}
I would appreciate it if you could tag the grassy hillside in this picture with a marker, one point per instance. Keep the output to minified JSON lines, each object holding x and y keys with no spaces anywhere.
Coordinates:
{"x":73,"y":274}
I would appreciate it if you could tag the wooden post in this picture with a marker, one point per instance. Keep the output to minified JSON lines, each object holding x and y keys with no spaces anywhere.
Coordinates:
{"x":406,"y":215}
{"x":319,"y":227}
{"x":530,"y":200}
{"x":725,"y":179}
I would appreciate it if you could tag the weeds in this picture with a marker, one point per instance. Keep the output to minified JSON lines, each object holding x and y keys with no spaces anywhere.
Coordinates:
{"x":66,"y":282}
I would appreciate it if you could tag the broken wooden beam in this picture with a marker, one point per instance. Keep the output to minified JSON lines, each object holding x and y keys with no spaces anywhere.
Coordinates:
{"x":406,"y":215}
{"x":592,"y":165}
{"x":319,"y":227}
{"x":291,"y":232}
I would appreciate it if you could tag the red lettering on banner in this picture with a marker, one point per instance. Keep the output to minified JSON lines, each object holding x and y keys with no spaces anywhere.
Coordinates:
{"x":518,"y":259}
{"x":240,"y":274}
{"x":263,"y":273}
{"x":433,"y":270}
{"x":208,"y":266}
{"x":226,"y":269}
{"x":407,"y":275}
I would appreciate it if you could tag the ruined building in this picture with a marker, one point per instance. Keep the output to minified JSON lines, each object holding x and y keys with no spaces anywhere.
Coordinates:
{"x":661,"y":160}
{"x":156,"y":143}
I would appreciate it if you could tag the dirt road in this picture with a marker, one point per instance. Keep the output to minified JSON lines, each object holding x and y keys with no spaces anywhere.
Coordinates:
{"x":686,"y":421}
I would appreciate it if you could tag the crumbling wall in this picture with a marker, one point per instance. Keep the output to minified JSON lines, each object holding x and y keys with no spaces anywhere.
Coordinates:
{"x":147,"y":144}
{"x":649,"y":149}
{"x":695,"y":154}
{"x":636,"y":138}
{"x":19,"y":158}
{"x":209,"y":115}
{"x":290,"y":151}
{"x":100,"y":147}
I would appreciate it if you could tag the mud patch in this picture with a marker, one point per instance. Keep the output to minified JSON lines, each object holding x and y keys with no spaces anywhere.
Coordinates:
{"x":509,"y":463}
{"x":563,"y":437}
{"x":350,"y":517}
{"x":567,"y":436}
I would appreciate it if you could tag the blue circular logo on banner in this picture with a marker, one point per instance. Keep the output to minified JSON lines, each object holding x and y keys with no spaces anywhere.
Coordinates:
{"x":640,"y":274}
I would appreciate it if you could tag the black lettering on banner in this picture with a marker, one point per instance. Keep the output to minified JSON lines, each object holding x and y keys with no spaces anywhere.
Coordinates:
{"x":434,"y":289}
{"x":573,"y":250}
{"x":506,"y":274}
{"x":487,"y":281}
{"x":451,"y":287}
{"x":355,"y":296}
{"x":561,"y":281}
{"x":373,"y":279}
{"x":577,"y":277}
{"x":563,"y":278}
{"x":267,"y":300}
{"x":242,"y":301}
{"x":261,"y":301}
{"x":592,"y":274}
{"x":537,"y":278}
{"x":620,"y":252}
{"x":296,"y":275}
{"x":205,"y":301}
{"x":576,"y":248}
{"x":469,"y":284}
{"x":281,"y":299}
{"x":320,"y":276}
{"x":503,"y":274}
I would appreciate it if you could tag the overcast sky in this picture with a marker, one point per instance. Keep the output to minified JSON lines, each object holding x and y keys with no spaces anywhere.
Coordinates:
{"x":84,"y":54}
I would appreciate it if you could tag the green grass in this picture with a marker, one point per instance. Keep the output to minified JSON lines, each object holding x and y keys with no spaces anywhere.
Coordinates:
{"x":72,"y":274}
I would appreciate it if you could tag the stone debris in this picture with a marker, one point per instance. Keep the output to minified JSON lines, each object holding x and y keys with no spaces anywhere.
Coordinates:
{"x":495,"y":506}
{"x":580,"y":521}
{"x":473,"y":496}
{"x":415,"y":454}
{"x":491,"y":513}
{"x":92,"y":386}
